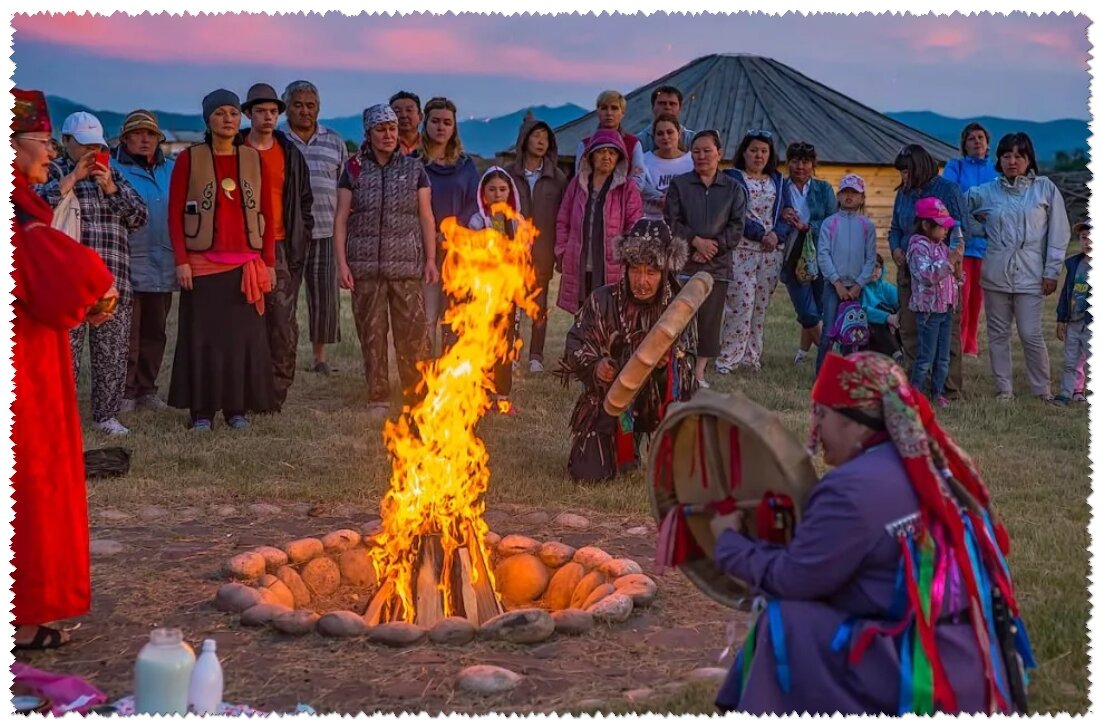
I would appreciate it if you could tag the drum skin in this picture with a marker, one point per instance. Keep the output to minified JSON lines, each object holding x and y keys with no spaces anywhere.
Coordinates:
{"x":688,"y":471}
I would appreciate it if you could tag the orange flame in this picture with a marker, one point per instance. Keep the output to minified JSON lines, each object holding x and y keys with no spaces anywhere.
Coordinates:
{"x":439,"y":464}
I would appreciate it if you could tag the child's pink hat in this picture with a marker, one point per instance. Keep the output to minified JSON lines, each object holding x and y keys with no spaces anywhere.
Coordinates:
{"x":853,"y":181}
{"x":931,"y":208}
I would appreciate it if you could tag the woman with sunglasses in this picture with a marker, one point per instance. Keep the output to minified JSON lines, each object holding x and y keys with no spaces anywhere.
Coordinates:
{"x":813,"y":201}
{"x":756,"y":261}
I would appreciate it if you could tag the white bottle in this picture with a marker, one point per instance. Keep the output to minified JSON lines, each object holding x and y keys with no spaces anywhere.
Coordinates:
{"x":162,"y":673}
{"x":205,"y":690}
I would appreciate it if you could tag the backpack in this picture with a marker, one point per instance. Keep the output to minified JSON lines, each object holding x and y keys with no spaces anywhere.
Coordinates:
{"x":850,"y":331}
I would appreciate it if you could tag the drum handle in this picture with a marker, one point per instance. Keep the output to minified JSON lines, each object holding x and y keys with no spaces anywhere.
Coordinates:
{"x":706,"y":508}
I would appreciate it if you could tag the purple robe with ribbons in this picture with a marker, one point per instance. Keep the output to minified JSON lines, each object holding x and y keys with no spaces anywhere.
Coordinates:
{"x":841,"y":568}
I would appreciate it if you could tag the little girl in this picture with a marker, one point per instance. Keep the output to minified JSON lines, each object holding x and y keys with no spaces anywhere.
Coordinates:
{"x":846,"y":252}
{"x":497,"y":186}
{"x":934,"y":295}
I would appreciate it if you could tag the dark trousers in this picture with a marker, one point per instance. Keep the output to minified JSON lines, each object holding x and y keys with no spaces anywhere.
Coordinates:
{"x":540,"y":323}
{"x":148,"y":339}
{"x":909,"y":336}
{"x":883,"y":339}
{"x":280,"y":308}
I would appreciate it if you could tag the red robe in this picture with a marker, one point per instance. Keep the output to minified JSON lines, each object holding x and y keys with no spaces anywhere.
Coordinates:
{"x":56,"y":281}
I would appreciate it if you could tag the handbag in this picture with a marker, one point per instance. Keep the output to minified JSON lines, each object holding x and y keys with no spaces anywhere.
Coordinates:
{"x":67,"y":216}
{"x":807,"y":269}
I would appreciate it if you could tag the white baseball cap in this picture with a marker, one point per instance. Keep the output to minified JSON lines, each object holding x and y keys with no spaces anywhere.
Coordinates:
{"x":85,"y":128}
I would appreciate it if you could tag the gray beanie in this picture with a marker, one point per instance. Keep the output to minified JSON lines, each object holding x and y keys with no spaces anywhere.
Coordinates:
{"x":217,"y":99}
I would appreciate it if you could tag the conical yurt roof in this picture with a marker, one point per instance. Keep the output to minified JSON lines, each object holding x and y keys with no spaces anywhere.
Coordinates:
{"x":734,"y":93}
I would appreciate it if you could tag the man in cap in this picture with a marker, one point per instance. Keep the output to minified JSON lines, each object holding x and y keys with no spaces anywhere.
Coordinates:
{"x":325,"y":154}
{"x":110,"y":211}
{"x":293,"y":223}
{"x":141,"y":162}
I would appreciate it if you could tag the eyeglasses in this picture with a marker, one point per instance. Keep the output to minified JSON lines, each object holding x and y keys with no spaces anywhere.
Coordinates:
{"x":45,"y":142}
{"x":765,"y":134}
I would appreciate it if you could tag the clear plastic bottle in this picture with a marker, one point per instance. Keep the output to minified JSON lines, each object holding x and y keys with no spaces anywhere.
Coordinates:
{"x":162,"y":674}
{"x":205,"y":689}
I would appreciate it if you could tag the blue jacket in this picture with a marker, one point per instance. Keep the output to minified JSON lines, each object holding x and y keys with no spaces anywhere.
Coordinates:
{"x":966,"y":173}
{"x":879,"y":299}
{"x":152,"y":264}
{"x":752,"y":229}
{"x":1068,"y":293}
{"x":903,"y":212}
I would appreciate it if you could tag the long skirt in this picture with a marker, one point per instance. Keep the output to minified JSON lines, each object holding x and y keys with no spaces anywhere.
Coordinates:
{"x":222,"y":361}
{"x":754,"y":276}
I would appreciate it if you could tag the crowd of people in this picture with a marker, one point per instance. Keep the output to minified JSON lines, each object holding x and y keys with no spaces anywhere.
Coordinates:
{"x":236,"y":223}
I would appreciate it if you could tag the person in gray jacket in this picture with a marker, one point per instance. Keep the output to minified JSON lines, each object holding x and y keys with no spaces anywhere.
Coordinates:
{"x":1023,"y":217}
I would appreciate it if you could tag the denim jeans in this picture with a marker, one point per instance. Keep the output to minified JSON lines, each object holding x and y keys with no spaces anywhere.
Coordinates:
{"x":829,"y":306}
{"x":933,"y":357}
{"x":805,"y":298}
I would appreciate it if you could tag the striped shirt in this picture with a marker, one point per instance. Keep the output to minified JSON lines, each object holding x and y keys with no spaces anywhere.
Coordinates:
{"x":325,"y":155}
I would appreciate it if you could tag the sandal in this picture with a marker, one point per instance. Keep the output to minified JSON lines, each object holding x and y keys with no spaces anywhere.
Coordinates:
{"x":44,"y":638}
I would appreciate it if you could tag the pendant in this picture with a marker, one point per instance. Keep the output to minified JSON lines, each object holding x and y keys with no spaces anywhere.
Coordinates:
{"x":228,"y":186}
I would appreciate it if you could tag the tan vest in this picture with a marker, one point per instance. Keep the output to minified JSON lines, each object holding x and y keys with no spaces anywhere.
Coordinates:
{"x":199,"y":207}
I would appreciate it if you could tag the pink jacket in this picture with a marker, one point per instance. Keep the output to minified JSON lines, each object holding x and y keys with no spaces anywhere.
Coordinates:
{"x":623,"y":208}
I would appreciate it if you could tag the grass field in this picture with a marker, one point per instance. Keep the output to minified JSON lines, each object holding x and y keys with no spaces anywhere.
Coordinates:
{"x":323,"y":450}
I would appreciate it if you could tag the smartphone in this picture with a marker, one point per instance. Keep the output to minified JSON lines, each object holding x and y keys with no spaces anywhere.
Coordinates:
{"x":103,"y":158}
{"x":191,"y":208}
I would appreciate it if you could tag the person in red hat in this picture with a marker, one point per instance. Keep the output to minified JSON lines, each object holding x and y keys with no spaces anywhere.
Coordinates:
{"x":894,"y":595}
{"x":59,"y":284}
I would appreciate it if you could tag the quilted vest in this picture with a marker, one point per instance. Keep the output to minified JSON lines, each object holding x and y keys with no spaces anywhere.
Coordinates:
{"x":384,"y":229}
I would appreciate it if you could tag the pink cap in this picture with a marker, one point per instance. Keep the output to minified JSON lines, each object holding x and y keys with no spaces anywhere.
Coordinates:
{"x":853,"y":181}
{"x":931,"y":208}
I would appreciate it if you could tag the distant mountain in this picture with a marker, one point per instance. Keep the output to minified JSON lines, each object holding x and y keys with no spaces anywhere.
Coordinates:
{"x":1049,"y":137}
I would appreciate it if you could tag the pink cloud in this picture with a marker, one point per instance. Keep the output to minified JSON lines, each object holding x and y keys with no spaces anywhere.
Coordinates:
{"x":398,"y":45}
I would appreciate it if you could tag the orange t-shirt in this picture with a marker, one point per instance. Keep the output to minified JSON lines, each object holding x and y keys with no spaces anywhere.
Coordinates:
{"x":274,"y":167}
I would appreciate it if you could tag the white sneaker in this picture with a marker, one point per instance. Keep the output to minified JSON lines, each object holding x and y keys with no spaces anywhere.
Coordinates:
{"x":703,"y":384}
{"x":535,"y":367}
{"x":111,"y":426}
{"x":799,"y":358}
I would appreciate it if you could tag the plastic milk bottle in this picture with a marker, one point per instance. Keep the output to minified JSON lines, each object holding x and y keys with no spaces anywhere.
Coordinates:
{"x":162,"y":674}
{"x":205,"y":690}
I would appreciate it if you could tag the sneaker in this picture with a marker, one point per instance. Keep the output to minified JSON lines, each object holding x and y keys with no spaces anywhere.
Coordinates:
{"x":536,"y":367}
{"x":111,"y":426}
{"x":703,"y":384}
{"x":321,"y":367}
{"x":128,"y":405}
{"x":1005,"y":396}
{"x":800,"y":357}
{"x":723,"y":371}
{"x":1060,"y":400}
{"x":516,"y":366}
{"x":152,"y":402}
{"x":1045,"y":398}
{"x":1079,"y":397}
{"x":942,"y":402}
{"x":201,"y":425}
{"x":238,"y":422}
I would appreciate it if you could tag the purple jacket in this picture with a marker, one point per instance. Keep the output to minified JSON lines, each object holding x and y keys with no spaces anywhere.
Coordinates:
{"x":623,"y":208}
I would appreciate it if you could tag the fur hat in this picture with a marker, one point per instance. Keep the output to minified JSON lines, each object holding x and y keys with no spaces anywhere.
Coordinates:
{"x":651,"y":242}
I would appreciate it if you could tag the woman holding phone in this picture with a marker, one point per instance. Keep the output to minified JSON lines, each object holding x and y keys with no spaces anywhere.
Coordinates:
{"x":110,"y":209}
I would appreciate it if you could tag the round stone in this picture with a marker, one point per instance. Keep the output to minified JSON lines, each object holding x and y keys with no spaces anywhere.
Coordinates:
{"x":585,"y":587}
{"x":591,"y":557}
{"x":274,"y":558}
{"x":605,"y":589}
{"x":372,"y":527}
{"x":536,"y":518}
{"x":247,"y":566}
{"x":573,"y":621}
{"x":525,"y":626}
{"x":591,"y":705}
{"x":555,"y":555}
{"x":236,"y":597}
{"x":453,"y":631}
{"x":153,"y":513}
{"x":640,"y":588}
{"x":636,"y":696}
{"x":572,"y":521}
{"x":492,"y":539}
{"x":279,"y":591}
{"x":620,"y":567}
{"x":521,"y":578}
{"x":341,"y":540}
{"x":291,"y":578}
{"x":321,"y":576}
{"x":225,"y":511}
{"x":304,"y":549}
{"x":516,"y":545}
{"x":263,"y":508}
{"x":708,"y":674}
{"x":562,"y":585}
{"x":615,"y":608}
{"x":641,"y":530}
{"x":356,"y":568}
{"x":105,"y":547}
{"x":486,"y":679}
{"x":342,"y":623}
{"x":295,"y":623}
{"x":262,"y":614}
{"x":190,"y":513}
{"x":396,"y":634}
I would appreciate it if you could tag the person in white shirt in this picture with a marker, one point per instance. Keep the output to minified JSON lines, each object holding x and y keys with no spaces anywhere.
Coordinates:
{"x":667,"y":161}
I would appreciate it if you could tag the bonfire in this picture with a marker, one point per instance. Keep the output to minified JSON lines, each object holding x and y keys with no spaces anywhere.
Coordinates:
{"x":431,"y":557}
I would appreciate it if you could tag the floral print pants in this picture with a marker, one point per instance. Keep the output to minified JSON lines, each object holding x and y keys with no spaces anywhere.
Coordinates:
{"x":754,"y":276}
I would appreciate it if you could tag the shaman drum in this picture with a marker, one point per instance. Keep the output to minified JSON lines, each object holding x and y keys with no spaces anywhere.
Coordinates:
{"x":724,"y":447}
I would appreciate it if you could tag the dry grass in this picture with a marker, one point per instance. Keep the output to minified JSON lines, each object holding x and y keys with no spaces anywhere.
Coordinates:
{"x":322,"y":450}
